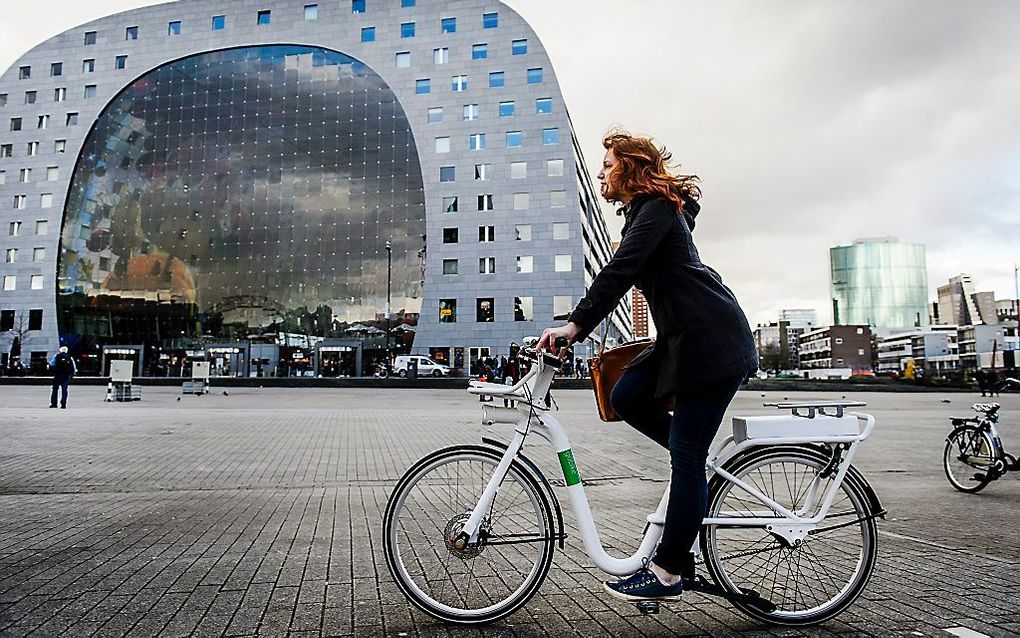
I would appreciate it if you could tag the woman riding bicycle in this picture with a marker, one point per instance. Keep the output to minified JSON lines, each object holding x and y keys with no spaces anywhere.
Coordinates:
{"x":703,"y":352}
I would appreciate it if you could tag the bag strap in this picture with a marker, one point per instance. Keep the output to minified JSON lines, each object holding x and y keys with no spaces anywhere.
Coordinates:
{"x":605,"y":331}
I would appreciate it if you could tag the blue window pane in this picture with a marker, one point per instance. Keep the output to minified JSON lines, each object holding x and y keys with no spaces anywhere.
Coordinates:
{"x":543,"y":105}
{"x":519,"y":47}
{"x":174,"y":28}
{"x":264,"y":17}
{"x":496,"y":80}
{"x":449,"y":25}
{"x":534,"y":76}
{"x":507,"y":109}
{"x":368,"y":34}
{"x":447,"y":173}
{"x":490,"y":20}
{"x":407,"y":30}
{"x":219,"y":23}
{"x":406,"y":3}
{"x":550,"y":136}
{"x":422,"y":86}
{"x":357,"y":6}
{"x":514,"y":139}
{"x":479,"y":51}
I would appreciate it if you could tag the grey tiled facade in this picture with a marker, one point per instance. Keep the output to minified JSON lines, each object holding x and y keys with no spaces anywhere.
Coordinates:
{"x":542,"y":199}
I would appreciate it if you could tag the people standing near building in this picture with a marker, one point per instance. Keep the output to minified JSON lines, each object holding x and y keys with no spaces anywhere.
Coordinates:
{"x":63,"y":367}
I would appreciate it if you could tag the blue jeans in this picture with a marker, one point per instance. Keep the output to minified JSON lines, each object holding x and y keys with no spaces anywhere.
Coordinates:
{"x":687,"y":434}
{"x":60,"y":382}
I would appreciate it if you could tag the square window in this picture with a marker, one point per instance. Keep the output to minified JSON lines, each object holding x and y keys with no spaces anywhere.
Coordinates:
{"x":120,"y":62}
{"x":450,"y":204}
{"x":496,"y":80}
{"x":543,"y":105}
{"x":311,"y":12}
{"x":476,"y":141}
{"x":451,"y":235}
{"x":407,"y":30}
{"x":60,"y":146}
{"x":219,"y":23}
{"x":550,"y":136}
{"x":90,"y":38}
{"x":561,"y":230}
{"x":35,"y":319}
{"x":131,"y":33}
{"x":487,"y":265}
{"x":15,"y":229}
{"x":15,"y":123}
{"x":12,"y":256}
{"x":26,"y":175}
{"x":30,"y":97}
{"x":403,"y":59}
{"x":485,"y":310}
{"x":3,"y":177}
{"x":518,"y":170}
{"x":38,"y":254}
{"x":422,"y":86}
{"x":10,"y":282}
{"x":52,"y":173}
{"x":514,"y":139}
{"x":37,"y":282}
{"x":25,"y":73}
{"x":525,"y":263}
{"x":534,"y":76}
{"x":435,"y":114}
{"x":90,"y":91}
{"x":522,"y":232}
{"x":519,"y":47}
{"x":173,"y":28}
{"x":479,"y":51}
{"x":459,"y":83}
{"x":60,"y":94}
{"x":507,"y":109}
{"x":33,"y":149}
{"x":485,"y":202}
{"x":524,"y":308}
{"x":46,"y":200}
{"x":442,"y":145}
{"x":558,"y":199}
{"x":449,"y":266}
{"x":368,"y":34}
{"x":562,"y":305}
{"x":521,"y":201}
{"x":448,"y":25}
{"x":441,"y":55}
{"x":41,"y":227}
{"x":554,"y":168}
{"x":447,"y":311}
{"x":486,"y":234}
{"x":3,"y":99}
{"x":490,"y":20}
{"x":264,"y":17}
{"x":447,"y":173}
{"x":483,"y":172}
{"x":88,"y":66}
{"x":470,"y":111}
{"x":406,"y":3}
{"x":57,"y":68}
{"x":20,"y":202}
{"x":6,"y":150}
{"x":357,"y":6}
{"x":6,"y":320}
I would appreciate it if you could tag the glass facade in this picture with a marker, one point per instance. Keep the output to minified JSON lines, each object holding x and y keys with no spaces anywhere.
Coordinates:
{"x":213,"y":202}
{"x":879,"y":283}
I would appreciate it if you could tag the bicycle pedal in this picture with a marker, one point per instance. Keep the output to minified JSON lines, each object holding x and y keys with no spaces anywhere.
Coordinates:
{"x":648,"y":607}
{"x":979,"y":477}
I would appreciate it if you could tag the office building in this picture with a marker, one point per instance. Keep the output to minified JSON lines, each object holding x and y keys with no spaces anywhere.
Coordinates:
{"x":881,"y":283}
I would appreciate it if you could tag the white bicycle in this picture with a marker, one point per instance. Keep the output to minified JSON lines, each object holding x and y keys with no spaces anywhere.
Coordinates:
{"x":790,"y":537}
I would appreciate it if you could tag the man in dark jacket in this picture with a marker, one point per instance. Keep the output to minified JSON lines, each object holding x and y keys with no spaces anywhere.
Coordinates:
{"x":703,"y":352}
{"x":63,"y":367}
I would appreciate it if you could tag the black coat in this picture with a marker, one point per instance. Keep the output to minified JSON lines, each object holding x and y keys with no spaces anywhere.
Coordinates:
{"x":703,"y":335}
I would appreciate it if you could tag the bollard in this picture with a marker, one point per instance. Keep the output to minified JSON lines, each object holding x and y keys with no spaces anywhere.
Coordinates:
{"x":109,"y":391}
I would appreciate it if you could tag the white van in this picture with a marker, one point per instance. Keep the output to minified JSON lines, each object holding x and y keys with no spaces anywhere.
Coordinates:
{"x":426,"y":366}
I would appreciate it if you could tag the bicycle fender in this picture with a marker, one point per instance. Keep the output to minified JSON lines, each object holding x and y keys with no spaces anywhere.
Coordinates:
{"x":550,"y":493}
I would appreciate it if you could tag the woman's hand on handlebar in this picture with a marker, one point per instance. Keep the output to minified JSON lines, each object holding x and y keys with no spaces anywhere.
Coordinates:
{"x":550,"y":335}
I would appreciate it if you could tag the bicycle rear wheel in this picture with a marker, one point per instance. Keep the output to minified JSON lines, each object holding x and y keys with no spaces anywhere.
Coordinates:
{"x":428,"y":509}
{"x":809,"y":582}
{"x":969,"y":458}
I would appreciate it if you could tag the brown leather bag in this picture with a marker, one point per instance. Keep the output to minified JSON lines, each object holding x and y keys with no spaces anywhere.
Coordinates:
{"x":606,"y":369}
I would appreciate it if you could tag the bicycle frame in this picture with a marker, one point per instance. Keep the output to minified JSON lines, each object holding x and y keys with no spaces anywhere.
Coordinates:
{"x":529,"y":417}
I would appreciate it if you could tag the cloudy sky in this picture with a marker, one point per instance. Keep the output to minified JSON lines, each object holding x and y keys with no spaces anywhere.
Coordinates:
{"x":811,"y":122}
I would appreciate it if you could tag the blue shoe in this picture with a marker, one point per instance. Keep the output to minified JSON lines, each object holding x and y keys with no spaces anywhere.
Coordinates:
{"x":644,"y":585}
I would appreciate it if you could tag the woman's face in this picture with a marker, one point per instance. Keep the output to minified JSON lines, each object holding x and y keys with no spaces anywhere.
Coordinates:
{"x":608,"y":179}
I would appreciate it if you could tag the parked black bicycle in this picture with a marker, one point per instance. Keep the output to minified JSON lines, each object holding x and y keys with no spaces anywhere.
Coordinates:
{"x":974,"y":455}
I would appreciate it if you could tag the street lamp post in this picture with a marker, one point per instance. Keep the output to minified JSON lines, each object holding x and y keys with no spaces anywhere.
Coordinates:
{"x":389,"y":275}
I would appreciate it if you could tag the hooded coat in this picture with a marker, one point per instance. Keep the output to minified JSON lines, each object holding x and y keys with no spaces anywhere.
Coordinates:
{"x":702,"y":334}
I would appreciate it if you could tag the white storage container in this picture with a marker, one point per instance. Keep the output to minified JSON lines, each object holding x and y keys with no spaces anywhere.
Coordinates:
{"x":819,"y":428}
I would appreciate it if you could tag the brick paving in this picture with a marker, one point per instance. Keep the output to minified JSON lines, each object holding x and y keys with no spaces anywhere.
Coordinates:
{"x":259,"y":513}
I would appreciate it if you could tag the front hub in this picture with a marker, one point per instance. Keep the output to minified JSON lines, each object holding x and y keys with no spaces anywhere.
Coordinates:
{"x":458,"y":542}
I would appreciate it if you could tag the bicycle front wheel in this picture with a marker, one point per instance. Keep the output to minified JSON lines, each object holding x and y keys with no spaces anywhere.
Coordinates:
{"x":969,"y":458}
{"x":479,"y":583}
{"x":810,"y":580}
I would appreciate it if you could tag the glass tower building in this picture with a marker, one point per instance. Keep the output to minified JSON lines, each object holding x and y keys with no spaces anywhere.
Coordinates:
{"x":879,"y":282}
{"x":290,"y":189}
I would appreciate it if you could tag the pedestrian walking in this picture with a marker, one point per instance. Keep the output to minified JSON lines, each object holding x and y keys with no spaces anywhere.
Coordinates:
{"x":63,"y":367}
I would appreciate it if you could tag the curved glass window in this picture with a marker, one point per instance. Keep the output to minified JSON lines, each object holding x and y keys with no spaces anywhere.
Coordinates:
{"x":244,"y":195}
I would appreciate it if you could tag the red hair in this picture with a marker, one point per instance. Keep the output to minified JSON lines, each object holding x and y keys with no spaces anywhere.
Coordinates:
{"x":643,"y":169}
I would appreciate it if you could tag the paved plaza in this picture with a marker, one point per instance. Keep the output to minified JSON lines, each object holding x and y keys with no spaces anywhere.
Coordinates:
{"x":259,"y":512}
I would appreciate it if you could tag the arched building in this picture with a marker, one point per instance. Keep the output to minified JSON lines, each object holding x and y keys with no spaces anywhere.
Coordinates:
{"x":290,"y":187}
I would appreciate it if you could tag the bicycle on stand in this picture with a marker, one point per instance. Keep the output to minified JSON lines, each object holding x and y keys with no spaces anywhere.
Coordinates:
{"x":974,"y":455}
{"x":790,"y":537}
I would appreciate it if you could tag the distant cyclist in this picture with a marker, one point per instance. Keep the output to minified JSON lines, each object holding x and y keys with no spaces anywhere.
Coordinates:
{"x":703,"y":352}
{"x":63,"y":367}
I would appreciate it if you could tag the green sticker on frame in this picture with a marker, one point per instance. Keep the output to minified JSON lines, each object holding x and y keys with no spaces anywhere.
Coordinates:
{"x":569,"y":468}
